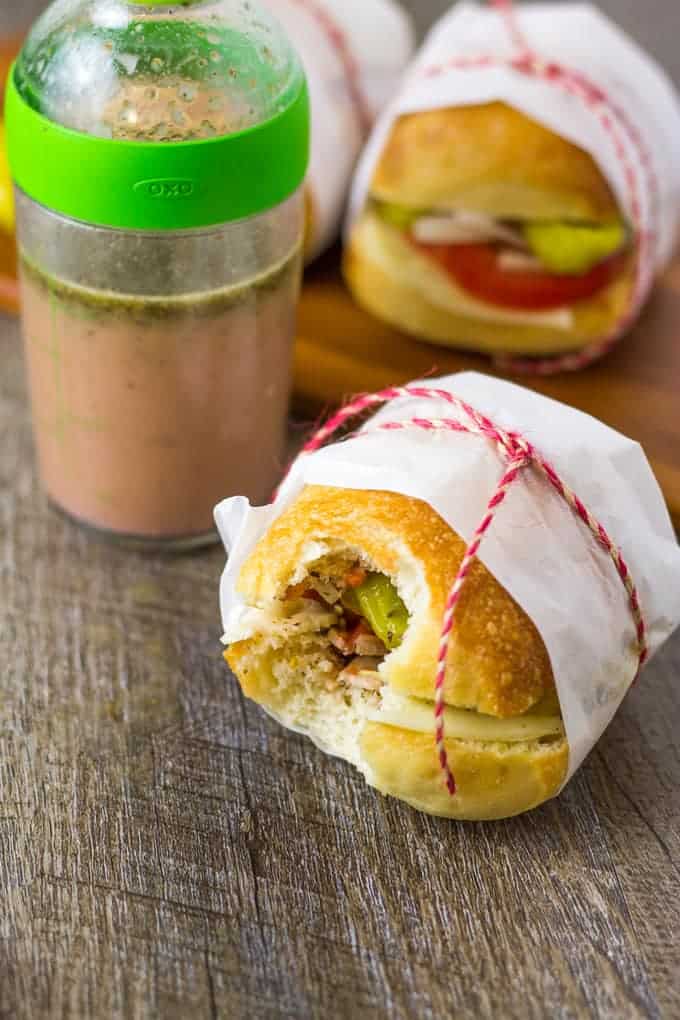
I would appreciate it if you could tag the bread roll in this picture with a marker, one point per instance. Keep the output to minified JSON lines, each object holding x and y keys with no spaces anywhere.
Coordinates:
{"x":504,"y":733}
{"x":491,"y":160}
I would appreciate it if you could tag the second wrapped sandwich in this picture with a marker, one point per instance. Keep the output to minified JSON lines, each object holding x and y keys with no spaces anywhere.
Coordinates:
{"x":519,"y":200}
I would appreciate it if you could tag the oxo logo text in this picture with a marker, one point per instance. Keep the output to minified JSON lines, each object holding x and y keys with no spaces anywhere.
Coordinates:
{"x":167,"y":188}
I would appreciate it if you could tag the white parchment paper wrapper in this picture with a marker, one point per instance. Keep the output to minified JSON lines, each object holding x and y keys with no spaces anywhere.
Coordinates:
{"x":581,"y":38}
{"x":536,"y":546}
{"x":380,"y":38}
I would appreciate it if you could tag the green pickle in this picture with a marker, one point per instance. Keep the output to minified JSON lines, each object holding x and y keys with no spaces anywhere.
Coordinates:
{"x":377,"y":600}
{"x":573,"y":248}
{"x":399,"y":216}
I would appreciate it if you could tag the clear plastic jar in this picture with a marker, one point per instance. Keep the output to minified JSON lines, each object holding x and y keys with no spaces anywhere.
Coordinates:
{"x":158,"y":359}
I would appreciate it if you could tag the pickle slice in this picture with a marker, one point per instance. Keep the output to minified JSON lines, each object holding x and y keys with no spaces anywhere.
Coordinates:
{"x":573,"y":248}
{"x":400,"y":216}
{"x":377,"y":600}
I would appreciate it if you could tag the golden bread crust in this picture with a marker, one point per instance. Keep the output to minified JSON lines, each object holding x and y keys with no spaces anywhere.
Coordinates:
{"x":256,"y":683}
{"x":373,"y":267}
{"x":490,"y":158}
{"x":497,"y":661}
{"x":493,"y":780}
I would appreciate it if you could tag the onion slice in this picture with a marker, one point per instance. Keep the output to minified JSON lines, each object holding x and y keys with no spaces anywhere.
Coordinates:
{"x":519,"y":262}
{"x":464,"y":227}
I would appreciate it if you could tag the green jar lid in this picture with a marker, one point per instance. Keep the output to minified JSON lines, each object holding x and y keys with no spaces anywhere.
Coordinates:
{"x":135,"y":182}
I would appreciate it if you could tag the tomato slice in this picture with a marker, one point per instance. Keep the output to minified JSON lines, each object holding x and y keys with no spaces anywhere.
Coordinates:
{"x":476,"y":269}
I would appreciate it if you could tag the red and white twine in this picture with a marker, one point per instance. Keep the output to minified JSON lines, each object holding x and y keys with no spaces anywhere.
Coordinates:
{"x":342,"y":48}
{"x":517,"y":454}
{"x":623,"y":136}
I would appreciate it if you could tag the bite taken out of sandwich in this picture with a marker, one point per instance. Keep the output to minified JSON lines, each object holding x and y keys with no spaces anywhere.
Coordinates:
{"x":485,"y":230}
{"x":338,"y":639}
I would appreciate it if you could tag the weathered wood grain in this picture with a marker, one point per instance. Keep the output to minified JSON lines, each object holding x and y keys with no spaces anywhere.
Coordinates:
{"x":166,"y":851}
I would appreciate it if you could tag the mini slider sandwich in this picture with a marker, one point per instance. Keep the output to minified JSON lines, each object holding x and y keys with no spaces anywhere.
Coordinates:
{"x":485,"y":230}
{"x":345,"y":594}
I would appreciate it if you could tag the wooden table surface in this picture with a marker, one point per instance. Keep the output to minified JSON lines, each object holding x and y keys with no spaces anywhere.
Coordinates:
{"x":167,"y":851}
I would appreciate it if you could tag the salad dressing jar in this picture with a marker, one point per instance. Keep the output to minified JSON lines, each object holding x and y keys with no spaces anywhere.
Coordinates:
{"x":158,"y":152}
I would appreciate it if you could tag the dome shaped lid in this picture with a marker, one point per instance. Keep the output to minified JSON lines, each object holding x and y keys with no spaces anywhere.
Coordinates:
{"x":157,"y":115}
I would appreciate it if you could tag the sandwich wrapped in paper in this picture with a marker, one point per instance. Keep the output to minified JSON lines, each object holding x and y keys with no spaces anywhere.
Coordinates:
{"x":523,"y":189}
{"x":354,"y":53}
{"x":333,"y":597}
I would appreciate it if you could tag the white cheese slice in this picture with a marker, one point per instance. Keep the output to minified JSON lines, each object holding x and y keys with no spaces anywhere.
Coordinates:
{"x":413,"y":714}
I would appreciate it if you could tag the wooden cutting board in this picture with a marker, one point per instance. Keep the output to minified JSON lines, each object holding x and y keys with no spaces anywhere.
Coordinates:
{"x":343,"y":350}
